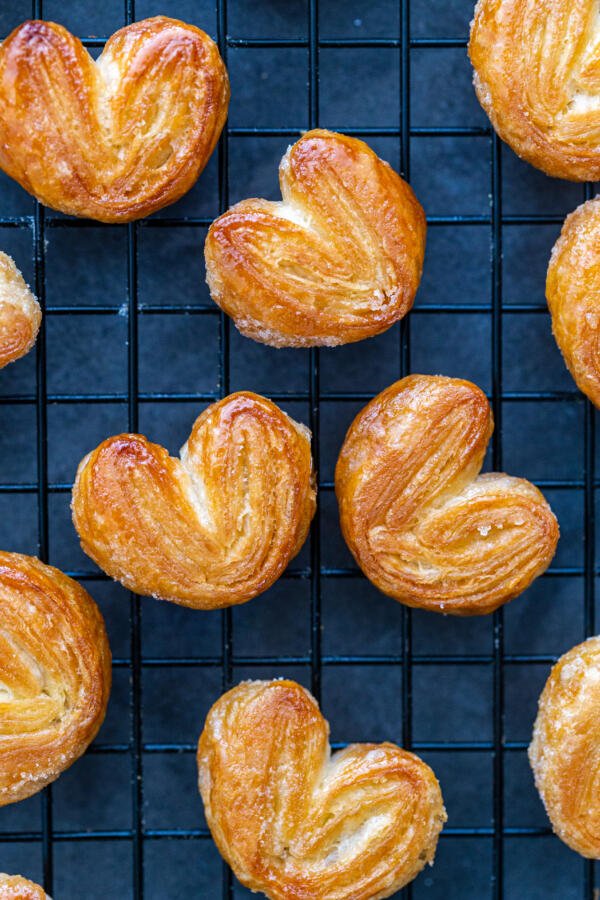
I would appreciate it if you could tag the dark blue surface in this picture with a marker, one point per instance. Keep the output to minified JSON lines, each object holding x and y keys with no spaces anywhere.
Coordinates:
{"x":542,"y":439}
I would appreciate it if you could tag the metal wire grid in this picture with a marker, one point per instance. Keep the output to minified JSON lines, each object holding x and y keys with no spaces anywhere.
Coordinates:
{"x":498,"y":659}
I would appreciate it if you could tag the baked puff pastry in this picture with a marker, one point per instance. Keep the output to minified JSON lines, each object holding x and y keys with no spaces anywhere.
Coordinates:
{"x":20,"y":313}
{"x":339,"y":259}
{"x":565,"y":750}
{"x":294,"y":820}
{"x":13,"y":887}
{"x":117,"y":138}
{"x":217,"y":526}
{"x":55,"y":674}
{"x":424,"y":526}
{"x":573,"y":292}
{"x":537,"y":76}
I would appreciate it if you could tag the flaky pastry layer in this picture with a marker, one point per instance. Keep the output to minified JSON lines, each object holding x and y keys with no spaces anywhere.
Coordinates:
{"x":20,"y":313}
{"x":117,"y":138}
{"x":573,"y":294}
{"x":14,"y":887}
{"x":217,"y":526}
{"x":55,"y":674}
{"x":294,"y":820}
{"x":338,"y":259}
{"x":565,"y":750}
{"x":424,"y":526}
{"x":537,"y":76}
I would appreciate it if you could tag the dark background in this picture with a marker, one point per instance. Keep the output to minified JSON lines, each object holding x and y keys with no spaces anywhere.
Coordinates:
{"x":462,"y":692}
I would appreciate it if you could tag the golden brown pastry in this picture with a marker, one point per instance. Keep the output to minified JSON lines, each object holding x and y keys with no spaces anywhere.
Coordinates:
{"x":20,"y":313}
{"x":424,"y":526}
{"x":211,"y":529}
{"x":573,"y":293}
{"x":13,"y":887}
{"x":565,"y":750}
{"x":339,"y":259}
{"x":54,"y":674}
{"x":294,"y":820}
{"x":117,"y":138}
{"x":537,"y":75}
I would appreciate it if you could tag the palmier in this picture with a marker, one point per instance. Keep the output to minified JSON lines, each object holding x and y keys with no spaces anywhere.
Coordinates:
{"x":20,"y":313}
{"x":338,"y":259}
{"x":294,"y":820}
{"x":537,"y":76}
{"x":565,"y":750}
{"x":112,"y":139}
{"x":213,"y":528}
{"x":55,"y":674}
{"x":573,"y":294}
{"x":424,"y":526}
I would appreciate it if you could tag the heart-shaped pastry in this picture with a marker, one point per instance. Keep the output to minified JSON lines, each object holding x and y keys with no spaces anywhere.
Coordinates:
{"x":55,"y":674}
{"x":294,"y":820}
{"x":573,"y":291}
{"x":217,"y":526}
{"x":13,"y":887}
{"x":537,"y":76}
{"x":339,"y":259}
{"x":117,"y":138}
{"x":565,"y":750}
{"x":424,"y":526}
{"x":20,"y":313}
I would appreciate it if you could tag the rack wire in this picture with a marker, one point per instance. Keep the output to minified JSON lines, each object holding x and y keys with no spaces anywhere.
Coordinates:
{"x":314,"y":572}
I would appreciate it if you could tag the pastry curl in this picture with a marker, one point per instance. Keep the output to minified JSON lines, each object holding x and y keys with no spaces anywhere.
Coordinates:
{"x":565,"y":750}
{"x":294,"y":820}
{"x":337,"y":260}
{"x":55,"y":674}
{"x":537,"y":76}
{"x":13,"y":887}
{"x":20,"y":313}
{"x":424,"y":526}
{"x":117,"y":138}
{"x":572,"y":291}
{"x":212,"y":529}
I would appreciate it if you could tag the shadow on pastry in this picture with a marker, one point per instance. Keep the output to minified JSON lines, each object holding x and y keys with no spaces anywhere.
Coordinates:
{"x":572,"y":291}
{"x":565,"y":750}
{"x":536,"y":76}
{"x":339,"y":259}
{"x":424,"y":526}
{"x":217,"y":526}
{"x":20,"y":313}
{"x":117,"y":138}
{"x":13,"y":887}
{"x":55,"y":674}
{"x":294,"y":820}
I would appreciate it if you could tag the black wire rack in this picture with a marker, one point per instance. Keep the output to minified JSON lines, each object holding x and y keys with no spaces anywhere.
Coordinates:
{"x":314,"y":572}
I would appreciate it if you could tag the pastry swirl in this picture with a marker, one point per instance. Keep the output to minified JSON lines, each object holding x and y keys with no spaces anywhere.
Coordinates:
{"x":424,"y":526}
{"x":537,"y":76}
{"x":213,"y":528}
{"x":13,"y":887}
{"x":55,"y":674}
{"x":339,"y":259}
{"x":117,"y":138}
{"x":572,"y":291}
{"x":20,"y":313}
{"x":565,"y":750}
{"x":294,"y":820}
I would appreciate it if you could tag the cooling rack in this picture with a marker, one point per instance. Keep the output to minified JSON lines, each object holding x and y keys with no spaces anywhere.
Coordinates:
{"x":125,"y":303}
